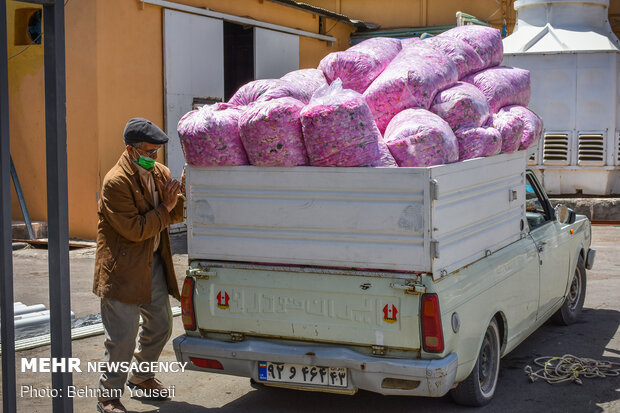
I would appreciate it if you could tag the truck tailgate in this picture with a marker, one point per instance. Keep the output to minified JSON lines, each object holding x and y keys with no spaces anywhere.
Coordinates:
{"x":310,"y":306}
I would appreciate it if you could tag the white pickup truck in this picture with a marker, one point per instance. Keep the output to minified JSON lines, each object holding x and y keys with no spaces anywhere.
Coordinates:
{"x":401,"y":281}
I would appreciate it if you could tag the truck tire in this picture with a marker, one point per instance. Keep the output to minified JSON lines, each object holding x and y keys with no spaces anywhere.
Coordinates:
{"x":479,"y":387}
{"x":573,"y":303}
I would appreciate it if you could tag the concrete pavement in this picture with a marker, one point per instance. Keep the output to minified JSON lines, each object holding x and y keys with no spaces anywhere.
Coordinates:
{"x":596,"y":336}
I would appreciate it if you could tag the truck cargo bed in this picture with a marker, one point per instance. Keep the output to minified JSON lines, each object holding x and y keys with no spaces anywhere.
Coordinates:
{"x":434,"y":220}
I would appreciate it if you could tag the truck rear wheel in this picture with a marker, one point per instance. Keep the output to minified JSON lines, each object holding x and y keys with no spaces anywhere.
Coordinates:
{"x":573,"y":304}
{"x":479,"y":387}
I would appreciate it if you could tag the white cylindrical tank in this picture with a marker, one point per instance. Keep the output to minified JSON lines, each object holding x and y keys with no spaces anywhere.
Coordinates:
{"x":574,"y":60}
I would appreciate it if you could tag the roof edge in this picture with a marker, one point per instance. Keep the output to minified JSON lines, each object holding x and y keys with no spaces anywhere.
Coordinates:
{"x":359,"y":24}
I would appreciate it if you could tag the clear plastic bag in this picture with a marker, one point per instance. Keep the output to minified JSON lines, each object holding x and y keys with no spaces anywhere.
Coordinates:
{"x":271,"y":133}
{"x":462,"y":105}
{"x":478,"y":142}
{"x":412,"y":80}
{"x":486,"y":41}
{"x":339,"y":129}
{"x":210,"y":136}
{"x":359,"y":65}
{"x":417,"y":137}
{"x":502,"y":86}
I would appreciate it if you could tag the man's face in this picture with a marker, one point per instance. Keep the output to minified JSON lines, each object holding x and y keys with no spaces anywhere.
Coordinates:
{"x":144,"y":148}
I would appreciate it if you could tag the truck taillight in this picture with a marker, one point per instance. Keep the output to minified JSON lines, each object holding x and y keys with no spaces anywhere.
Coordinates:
{"x":187,"y":304}
{"x":432,"y":332}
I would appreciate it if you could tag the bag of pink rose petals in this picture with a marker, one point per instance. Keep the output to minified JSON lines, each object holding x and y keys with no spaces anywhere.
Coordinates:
{"x":359,"y":65}
{"x":510,"y":126}
{"x":306,"y":82}
{"x":417,"y":137}
{"x":478,"y":142}
{"x":486,"y":41}
{"x":532,"y":125}
{"x":339,"y":129}
{"x":252,"y":91}
{"x":502,"y":86}
{"x":460,"y":52}
{"x":271,"y":133}
{"x":462,"y":105}
{"x":412,"y":80}
{"x":210,"y":136}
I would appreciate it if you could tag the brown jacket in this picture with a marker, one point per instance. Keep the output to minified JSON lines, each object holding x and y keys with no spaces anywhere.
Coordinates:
{"x":127,"y":225}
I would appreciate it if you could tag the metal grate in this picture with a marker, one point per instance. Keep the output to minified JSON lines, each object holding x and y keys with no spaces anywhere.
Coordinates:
{"x":618,"y":147}
{"x":555,"y":149}
{"x":591,"y":150}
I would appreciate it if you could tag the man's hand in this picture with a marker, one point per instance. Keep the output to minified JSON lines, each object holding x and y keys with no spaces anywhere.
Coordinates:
{"x":183,"y":183}
{"x":170,"y":192}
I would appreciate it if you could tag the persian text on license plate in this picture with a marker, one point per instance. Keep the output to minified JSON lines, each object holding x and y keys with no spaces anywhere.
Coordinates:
{"x":302,"y":374}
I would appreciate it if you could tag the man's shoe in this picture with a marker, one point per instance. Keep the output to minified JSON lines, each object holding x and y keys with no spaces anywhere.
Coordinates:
{"x":111,"y":406}
{"x":151,"y":389}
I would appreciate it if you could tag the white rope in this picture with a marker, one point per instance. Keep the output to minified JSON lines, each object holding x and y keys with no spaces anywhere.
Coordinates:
{"x":570,"y":368}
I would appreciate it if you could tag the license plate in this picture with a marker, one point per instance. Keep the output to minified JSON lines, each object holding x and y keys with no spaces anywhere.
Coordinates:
{"x":302,"y":374}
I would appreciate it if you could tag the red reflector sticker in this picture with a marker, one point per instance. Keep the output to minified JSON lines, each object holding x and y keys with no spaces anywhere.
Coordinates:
{"x":389,"y":313}
{"x":206,"y":363}
{"x":222,"y":300}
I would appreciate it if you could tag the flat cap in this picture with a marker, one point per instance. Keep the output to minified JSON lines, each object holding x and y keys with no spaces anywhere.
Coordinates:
{"x":143,"y":130}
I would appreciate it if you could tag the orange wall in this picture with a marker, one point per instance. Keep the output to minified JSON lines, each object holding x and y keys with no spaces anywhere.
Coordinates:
{"x":27,"y":119}
{"x":114,"y":67}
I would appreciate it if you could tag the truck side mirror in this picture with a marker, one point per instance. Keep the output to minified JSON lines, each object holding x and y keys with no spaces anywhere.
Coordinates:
{"x":564,"y":214}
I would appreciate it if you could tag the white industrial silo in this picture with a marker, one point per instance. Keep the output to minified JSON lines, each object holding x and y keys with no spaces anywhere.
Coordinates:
{"x":574,"y":59}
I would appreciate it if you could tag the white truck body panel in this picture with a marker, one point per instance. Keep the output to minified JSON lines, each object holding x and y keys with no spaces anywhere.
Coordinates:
{"x":433,"y":220}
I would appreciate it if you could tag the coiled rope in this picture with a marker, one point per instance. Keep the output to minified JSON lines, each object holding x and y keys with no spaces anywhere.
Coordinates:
{"x":556,"y":370}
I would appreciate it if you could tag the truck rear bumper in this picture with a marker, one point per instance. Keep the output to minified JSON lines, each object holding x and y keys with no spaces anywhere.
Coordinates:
{"x":431,"y":378}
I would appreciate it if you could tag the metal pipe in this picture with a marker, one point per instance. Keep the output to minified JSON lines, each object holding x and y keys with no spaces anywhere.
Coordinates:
{"x":22,"y":200}
{"x":7,"y":331}
{"x":57,"y":195}
{"x":236,"y":19}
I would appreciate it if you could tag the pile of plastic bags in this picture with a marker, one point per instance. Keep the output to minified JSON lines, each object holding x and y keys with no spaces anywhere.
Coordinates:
{"x":383,"y":102}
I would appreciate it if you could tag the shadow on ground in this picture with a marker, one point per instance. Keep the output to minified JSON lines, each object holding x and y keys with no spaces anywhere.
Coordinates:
{"x":515,"y":393}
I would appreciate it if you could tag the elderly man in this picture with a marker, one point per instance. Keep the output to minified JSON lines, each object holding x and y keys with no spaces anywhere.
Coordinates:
{"x":133,"y":267}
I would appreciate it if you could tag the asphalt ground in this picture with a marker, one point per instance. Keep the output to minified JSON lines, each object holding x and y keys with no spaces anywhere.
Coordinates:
{"x":596,"y":335}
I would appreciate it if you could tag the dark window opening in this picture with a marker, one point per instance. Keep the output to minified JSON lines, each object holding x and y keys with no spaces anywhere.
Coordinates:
{"x":238,"y":57}
{"x":28,"y":26}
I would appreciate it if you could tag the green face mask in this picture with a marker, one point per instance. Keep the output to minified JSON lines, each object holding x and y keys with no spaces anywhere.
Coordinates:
{"x":146,"y":162}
